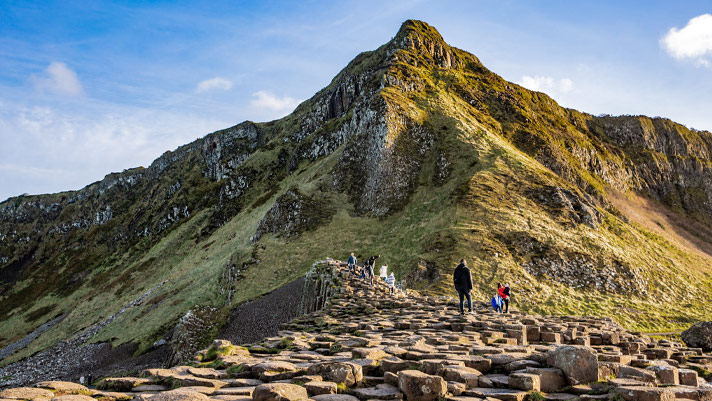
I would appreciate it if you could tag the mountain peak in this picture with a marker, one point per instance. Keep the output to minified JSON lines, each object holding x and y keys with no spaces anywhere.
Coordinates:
{"x":420,"y":39}
{"x":418,"y":29}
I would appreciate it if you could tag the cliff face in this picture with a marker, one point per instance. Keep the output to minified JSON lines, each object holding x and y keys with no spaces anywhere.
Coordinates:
{"x":415,"y":151}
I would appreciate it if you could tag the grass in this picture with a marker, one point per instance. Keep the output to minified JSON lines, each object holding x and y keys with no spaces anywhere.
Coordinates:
{"x":235,"y":370}
{"x":534,"y":395}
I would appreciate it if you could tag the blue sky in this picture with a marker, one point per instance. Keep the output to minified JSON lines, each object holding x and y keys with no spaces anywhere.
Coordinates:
{"x":88,"y":88}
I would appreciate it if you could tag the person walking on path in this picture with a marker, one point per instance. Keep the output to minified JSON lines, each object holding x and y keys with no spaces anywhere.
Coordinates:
{"x":391,"y":281}
{"x":352,"y":263}
{"x":463,"y":284}
{"x":500,"y":295}
{"x":506,"y":298}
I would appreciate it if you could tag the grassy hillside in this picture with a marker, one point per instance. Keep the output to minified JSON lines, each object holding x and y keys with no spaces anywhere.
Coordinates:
{"x":416,"y":152}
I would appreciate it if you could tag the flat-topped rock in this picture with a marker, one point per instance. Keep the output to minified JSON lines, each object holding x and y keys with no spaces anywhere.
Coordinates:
{"x":279,"y":392}
{"x":26,"y":393}
{"x":63,"y":386}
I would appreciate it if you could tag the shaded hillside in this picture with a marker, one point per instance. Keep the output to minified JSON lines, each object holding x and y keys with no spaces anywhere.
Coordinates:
{"x":414,"y":151}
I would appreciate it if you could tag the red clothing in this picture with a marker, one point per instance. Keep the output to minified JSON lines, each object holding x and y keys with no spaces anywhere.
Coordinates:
{"x":501,"y":293}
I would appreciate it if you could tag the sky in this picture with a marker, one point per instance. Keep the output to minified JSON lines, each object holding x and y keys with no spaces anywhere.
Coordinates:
{"x":93,"y":87}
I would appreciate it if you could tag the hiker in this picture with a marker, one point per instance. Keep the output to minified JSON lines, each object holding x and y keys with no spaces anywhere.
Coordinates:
{"x":506,"y":298}
{"x":391,"y":281}
{"x":384,"y":272}
{"x":352,"y":263}
{"x":463,"y":284}
{"x":500,"y":297}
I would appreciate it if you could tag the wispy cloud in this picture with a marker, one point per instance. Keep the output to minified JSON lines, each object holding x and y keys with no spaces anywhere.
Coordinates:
{"x":214,"y":83}
{"x":694,"y":41}
{"x":274,"y":105}
{"x":546,"y":84}
{"x":59,"y":79}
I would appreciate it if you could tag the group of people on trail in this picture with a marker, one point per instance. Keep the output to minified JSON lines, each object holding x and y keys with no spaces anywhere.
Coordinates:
{"x":366,"y":272}
{"x":463,"y":285}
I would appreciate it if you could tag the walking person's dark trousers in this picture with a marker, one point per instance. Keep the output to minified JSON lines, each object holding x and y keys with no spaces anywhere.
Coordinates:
{"x":464,"y":294}
{"x":506,"y":305}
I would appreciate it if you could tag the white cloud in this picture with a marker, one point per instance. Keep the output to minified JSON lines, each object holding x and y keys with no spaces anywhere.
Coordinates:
{"x":214,"y":83}
{"x":546,"y":84}
{"x":275,"y":105}
{"x":694,"y":41}
{"x":52,"y":148}
{"x":59,"y":79}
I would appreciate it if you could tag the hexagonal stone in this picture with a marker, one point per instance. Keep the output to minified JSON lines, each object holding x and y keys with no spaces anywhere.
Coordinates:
{"x":642,"y":393}
{"x":688,"y":377}
{"x":279,"y":392}
{"x":368,"y":353}
{"x":241,"y":391}
{"x":334,"y":397}
{"x":320,"y":387}
{"x":524,"y":381}
{"x":498,"y":393}
{"x":665,"y":374}
{"x":418,"y":386}
{"x":380,"y":392}
{"x":461,"y":374}
{"x":64,"y":387}
{"x":73,"y":397}
{"x":551,"y":379}
{"x":629,"y":372}
{"x":339,"y":372}
{"x":26,"y":393}
{"x":180,"y":394}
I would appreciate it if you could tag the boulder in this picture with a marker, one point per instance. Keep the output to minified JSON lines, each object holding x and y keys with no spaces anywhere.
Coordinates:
{"x":699,"y":336}
{"x":418,"y":386}
{"x":279,"y":392}
{"x":579,"y":363}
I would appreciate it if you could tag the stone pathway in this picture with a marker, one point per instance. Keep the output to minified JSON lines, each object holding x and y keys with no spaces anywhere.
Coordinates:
{"x":368,"y":345}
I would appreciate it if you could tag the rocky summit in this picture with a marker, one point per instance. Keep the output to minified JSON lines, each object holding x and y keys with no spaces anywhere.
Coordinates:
{"x":367,"y":344}
{"x":416,"y":152}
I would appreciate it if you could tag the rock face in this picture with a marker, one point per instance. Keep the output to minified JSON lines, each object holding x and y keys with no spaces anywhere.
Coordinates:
{"x":294,"y":213}
{"x":699,"y":336}
{"x":579,"y":364}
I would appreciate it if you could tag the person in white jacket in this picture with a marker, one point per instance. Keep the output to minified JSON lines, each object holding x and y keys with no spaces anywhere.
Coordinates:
{"x":391,"y":281}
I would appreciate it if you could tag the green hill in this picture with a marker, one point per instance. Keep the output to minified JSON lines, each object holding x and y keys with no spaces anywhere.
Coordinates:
{"x":415,"y":151}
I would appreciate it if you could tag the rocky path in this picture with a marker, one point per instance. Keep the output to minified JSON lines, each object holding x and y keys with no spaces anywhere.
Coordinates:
{"x":368,"y":345}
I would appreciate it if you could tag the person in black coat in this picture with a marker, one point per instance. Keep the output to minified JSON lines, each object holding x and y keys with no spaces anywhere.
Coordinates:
{"x":463,"y":284}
